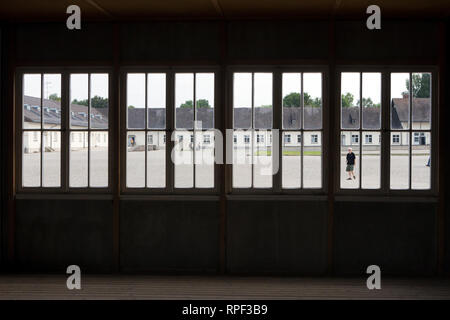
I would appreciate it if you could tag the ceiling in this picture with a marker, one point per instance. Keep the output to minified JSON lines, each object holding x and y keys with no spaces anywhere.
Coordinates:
{"x":50,"y":10}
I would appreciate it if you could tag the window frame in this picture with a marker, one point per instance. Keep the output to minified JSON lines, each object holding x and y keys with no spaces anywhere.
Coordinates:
{"x":277,"y":123}
{"x":170,"y":129}
{"x":65,"y":130}
{"x":385,"y":130}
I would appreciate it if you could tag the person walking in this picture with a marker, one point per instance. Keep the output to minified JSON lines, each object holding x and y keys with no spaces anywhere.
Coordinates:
{"x":350,"y":164}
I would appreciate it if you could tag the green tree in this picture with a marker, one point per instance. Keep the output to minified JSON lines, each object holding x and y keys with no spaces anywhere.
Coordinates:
{"x":347,"y":100}
{"x":367,"y":102}
{"x":131,"y":107}
{"x":80,"y":102}
{"x":291,"y":100}
{"x":201,"y":103}
{"x":54,"y":97}
{"x":99,"y":102}
{"x":421,"y":85}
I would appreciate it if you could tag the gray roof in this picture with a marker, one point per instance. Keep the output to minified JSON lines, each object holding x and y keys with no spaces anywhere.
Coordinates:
{"x":242,"y":116}
{"x":52,"y":113}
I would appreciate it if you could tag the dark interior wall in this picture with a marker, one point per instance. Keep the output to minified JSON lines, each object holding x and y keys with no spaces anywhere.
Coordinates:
{"x":262,"y":236}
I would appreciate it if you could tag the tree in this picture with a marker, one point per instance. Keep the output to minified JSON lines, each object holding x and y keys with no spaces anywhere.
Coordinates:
{"x":54,"y":97}
{"x":347,"y":100}
{"x":421,"y":84}
{"x":99,"y":102}
{"x":131,"y":107}
{"x":201,"y":103}
{"x":80,"y":102}
{"x":367,"y":102}
{"x":96,"y":102}
{"x":292,"y":100}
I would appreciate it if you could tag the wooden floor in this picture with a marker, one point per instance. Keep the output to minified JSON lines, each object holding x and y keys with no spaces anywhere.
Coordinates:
{"x":199,"y":287}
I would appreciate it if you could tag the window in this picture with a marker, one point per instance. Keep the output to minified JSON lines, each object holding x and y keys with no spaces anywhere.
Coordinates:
{"x":252,"y":115}
{"x":299,"y":113}
{"x":361,"y":110}
{"x":287,"y":138}
{"x":408,"y":130}
{"x":235,"y":138}
{"x":410,"y":119}
{"x":301,"y":109}
{"x":146,"y":124}
{"x":150,"y":164}
{"x":44,"y":130}
{"x":88,"y":159}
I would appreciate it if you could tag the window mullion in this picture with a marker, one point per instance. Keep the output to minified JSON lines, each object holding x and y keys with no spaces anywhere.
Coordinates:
{"x":278,"y":125}
{"x":385,"y":132}
{"x":302,"y":127}
{"x":170,"y":119}
{"x":145,"y":130}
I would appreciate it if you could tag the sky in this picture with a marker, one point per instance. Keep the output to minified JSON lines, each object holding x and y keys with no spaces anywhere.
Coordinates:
{"x":78,"y":87}
{"x":242,"y":85}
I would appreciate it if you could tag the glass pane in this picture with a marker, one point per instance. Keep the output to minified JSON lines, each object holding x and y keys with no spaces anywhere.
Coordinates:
{"x":31,"y":101}
{"x":242,"y":159}
{"x":204,"y":91}
{"x":262,"y":159}
{"x":421,"y":161}
{"x":371,"y":101}
{"x":135,"y":100}
{"x":204,"y":159}
{"x":52,"y":101}
{"x":399,"y":176}
{"x":51,"y":160}
{"x":135,"y":159}
{"x":399,"y":101}
{"x":242,"y":101}
{"x":79,"y":112}
{"x":78,"y":171}
{"x":31,"y":161}
{"x":183,"y":158}
{"x":291,"y":101}
{"x":350,"y":95}
{"x":421,"y":103}
{"x":371,"y":160}
{"x":184,"y":97}
{"x":291,"y":160}
{"x":98,"y":172}
{"x":262,"y":100}
{"x":312,"y":159}
{"x":350,"y":160}
{"x":156,"y":100}
{"x":156,"y":159}
{"x":99,"y":100}
{"x":312,"y":100}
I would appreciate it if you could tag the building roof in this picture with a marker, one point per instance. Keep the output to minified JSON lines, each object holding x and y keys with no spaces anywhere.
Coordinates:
{"x":292,"y":117}
{"x":52,"y":113}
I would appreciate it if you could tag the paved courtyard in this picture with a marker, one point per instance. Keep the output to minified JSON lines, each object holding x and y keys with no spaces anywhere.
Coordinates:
{"x":204,"y":173}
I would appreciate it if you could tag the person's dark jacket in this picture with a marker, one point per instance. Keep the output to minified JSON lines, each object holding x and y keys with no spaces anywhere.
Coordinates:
{"x":351,"y":158}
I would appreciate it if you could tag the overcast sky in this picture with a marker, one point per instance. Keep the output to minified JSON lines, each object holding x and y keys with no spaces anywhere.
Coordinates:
{"x":205,"y":87}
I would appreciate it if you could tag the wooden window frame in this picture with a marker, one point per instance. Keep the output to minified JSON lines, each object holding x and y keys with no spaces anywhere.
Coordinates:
{"x":65,"y":130}
{"x":277,"y":72}
{"x":385,"y":131}
{"x":169,"y":188}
